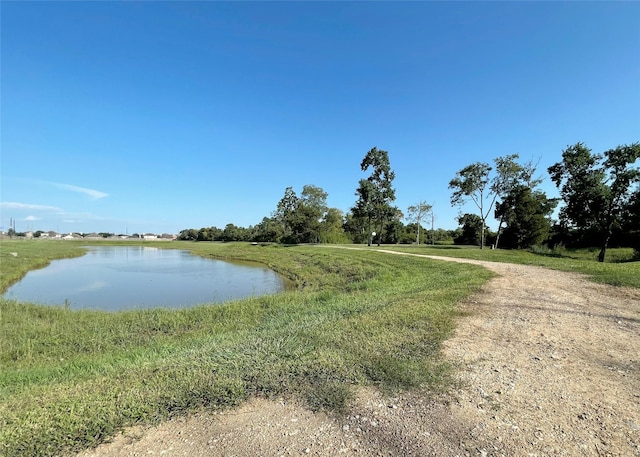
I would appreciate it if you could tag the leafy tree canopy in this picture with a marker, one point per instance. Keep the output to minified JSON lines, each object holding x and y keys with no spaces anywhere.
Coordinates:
{"x":376,"y":193}
{"x":597,"y":190}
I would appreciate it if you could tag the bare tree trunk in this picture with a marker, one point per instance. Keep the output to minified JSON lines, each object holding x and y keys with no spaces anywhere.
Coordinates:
{"x":498,"y":233}
{"x":433,"y":230}
{"x":605,"y":244}
{"x":607,"y":237}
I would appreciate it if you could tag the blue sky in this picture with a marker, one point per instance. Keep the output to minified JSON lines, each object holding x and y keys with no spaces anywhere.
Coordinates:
{"x":159,"y":116}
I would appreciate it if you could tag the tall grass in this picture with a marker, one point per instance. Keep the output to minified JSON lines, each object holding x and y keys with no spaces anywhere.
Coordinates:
{"x":70,"y":379}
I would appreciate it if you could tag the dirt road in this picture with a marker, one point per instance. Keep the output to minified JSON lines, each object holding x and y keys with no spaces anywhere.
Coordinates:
{"x":548,"y":364}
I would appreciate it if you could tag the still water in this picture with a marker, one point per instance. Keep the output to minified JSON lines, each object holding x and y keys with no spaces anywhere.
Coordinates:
{"x":114,"y":278}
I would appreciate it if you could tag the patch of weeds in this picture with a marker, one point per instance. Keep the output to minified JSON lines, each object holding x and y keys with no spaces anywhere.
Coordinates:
{"x":329,"y":396}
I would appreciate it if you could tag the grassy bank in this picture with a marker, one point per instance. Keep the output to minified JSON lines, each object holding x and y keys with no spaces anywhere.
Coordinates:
{"x":17,"y":257}
{"x":70,"y":379}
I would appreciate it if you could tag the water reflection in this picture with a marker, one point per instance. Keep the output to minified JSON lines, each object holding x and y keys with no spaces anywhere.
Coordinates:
{"x":129,"y":277}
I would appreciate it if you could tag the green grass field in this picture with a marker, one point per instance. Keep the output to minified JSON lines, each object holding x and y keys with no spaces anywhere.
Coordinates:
{"x":617,"y":270}
{"x":70,"y":379}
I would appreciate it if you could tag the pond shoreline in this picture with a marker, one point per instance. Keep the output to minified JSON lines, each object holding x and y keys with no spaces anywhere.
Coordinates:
{"x":115,"y":278}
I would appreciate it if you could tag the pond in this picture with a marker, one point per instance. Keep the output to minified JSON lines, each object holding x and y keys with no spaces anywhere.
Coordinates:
{"x":115,"y":278}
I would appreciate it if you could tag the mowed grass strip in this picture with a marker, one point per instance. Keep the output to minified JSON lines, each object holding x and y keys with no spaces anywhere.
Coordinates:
{"x":70,"y":379}
{"x":17,"y":257}
{"x":619,"y":269}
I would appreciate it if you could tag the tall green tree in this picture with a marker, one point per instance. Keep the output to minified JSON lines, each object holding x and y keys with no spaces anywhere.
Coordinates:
{"x":209,"y":234}
{"x":416,"y":214}
{"x":472,"y":229}
{"x":232,"y":232}
{"x":393,"y":227}
{"x":472,"y":182}
{"x":376,"y":193}
{"x":188,"y":235}
{"x":268,"y":230}
{"x":364,"y":210}
{"x":510,"y":176}
{"x":285,"y":213}
{"x":313,"y":204}
{"x":476,"y":183}
{"x":631,"y":224}
{"x":596,"y":189}
{"x":355,"y":227}
{"x":301,"y":216}
{"x":526,"y":214}
{"x":332,"y":227}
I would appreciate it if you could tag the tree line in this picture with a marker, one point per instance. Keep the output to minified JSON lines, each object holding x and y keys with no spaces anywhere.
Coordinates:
{"x":599,"y":206}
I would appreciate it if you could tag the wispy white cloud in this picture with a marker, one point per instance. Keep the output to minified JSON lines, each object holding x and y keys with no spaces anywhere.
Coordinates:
{"x":92,"y":193}
{"x":32,"y":218}
{"x":29,"y":206}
